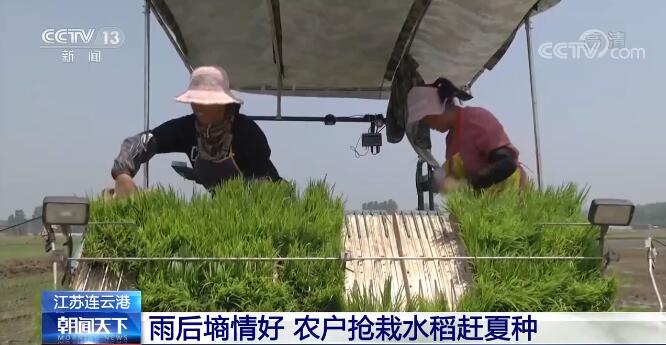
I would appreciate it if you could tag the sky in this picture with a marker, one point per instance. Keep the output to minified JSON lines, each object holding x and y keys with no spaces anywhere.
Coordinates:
{"x":61,"y":124}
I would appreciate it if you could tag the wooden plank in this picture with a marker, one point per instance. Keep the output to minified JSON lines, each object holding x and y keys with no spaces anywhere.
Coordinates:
{"x":382,"y":267}
{"x":94,"y":277}
{"x":357,"y":266}
{"x":439,"y":277}
{"x":451,"y":245}
{"x":368,"y":270}
{"x":429,"y":291}
{"x":397,"y":274}
{"x":371,"y":250}
{"x":463,"y":275}
{"x":349,"y":246}
{"x":363,"y":269}
{"x":81,"y":276}
{"x":423,"y":287}
{"x":410,"y":269}
{"x":445,"y":268}
{"x":448,"y":245}
{"x":395,"y":268}
{"x":434,"y":235}
{"x":417,"y":251}
{"x":431,"y":269}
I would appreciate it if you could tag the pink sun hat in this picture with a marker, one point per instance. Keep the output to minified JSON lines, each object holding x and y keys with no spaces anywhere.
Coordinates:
{"x":421,"y":102}
{"x":209,"y":85}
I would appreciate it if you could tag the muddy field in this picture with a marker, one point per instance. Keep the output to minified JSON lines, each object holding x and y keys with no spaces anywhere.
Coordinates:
{"x":25,"y":270}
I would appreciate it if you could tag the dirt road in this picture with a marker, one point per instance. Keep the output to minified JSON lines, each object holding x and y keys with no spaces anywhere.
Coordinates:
{"x":636,"y":291}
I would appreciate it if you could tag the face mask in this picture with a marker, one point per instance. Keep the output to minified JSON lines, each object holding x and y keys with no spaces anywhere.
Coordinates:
{"x":214,"y":141}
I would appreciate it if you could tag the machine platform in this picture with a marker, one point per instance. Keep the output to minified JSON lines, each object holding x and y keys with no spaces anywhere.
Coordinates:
{"x":407,"y":235}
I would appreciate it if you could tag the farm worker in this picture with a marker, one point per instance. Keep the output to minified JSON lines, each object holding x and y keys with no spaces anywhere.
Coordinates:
{"x":220,"y":142}
{"x":478,"y":150}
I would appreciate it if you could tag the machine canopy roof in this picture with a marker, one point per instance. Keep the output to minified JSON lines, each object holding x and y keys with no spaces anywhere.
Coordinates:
{"x":342,"y":48}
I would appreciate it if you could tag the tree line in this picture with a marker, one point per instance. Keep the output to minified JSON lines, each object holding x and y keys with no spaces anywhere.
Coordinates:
{"x":31,"y":228}
{"x":654,"y":214}
{"x":390,"y":206}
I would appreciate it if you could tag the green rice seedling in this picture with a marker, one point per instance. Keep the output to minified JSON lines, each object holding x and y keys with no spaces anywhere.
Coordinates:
{"x":261,"y":219}
{"x":364,"y":300}
{"x":242,"y":219}
{"x":508,"y":225}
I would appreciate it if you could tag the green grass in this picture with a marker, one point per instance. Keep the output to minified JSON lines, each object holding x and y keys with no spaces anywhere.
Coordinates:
{"x":21,"y":247}
{"x":506,"y":225}
{"x":258,"y":219}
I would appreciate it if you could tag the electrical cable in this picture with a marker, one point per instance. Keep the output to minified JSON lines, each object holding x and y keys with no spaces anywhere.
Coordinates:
{"x":19,"y":224}
{"x":354,"y":149}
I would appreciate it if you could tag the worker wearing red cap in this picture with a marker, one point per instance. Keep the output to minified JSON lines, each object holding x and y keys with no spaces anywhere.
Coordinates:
{"x":478,"y":150}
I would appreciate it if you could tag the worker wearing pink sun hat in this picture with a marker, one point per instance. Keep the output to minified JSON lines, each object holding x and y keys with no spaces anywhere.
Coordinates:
{"x":220,"y":142}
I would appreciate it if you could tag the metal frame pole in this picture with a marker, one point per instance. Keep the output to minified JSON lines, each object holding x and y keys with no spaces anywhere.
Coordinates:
{"x":535,"y":114}
{"x":277,"y":53}
{"x":146,"y":84}
{"x":651,"y":256}
{"x":602,"y":247}
{"x":55,"y":266}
